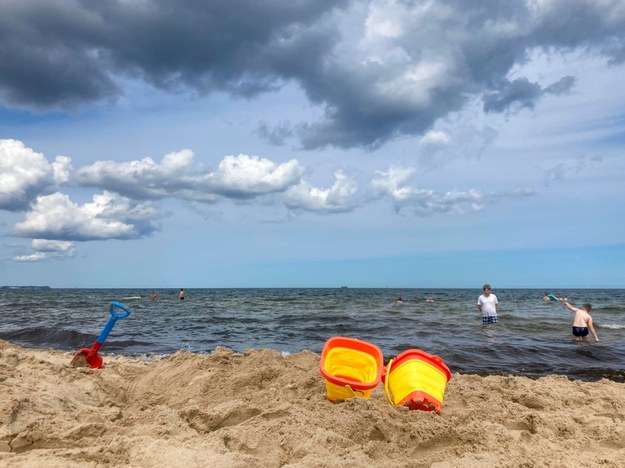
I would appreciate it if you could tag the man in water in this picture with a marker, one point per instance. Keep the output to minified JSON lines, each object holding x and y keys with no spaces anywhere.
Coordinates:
{"x":582,"y":322}
{"x":181,"y":294}
{"x":488,"y":305}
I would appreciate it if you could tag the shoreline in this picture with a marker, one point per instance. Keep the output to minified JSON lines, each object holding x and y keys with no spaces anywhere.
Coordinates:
{"x":261,"y":408}
{"x":612,"y":374}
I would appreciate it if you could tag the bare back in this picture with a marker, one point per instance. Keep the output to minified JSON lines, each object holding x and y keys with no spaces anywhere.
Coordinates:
{"x":582,"y":318}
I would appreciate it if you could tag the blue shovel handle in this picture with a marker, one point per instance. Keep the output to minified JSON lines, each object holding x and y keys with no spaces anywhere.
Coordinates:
{"x":114,"y":316}
{"x":121,"y":306}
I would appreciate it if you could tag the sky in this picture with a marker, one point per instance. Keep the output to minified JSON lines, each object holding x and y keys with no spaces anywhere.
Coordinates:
{"x":312,"y":143}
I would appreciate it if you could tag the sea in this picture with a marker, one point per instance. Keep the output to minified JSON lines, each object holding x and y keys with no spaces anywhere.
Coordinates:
{"x":532,"y":337}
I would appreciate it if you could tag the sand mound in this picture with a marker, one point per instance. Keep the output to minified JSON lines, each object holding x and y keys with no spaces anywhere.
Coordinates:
{"x":262,"y":409}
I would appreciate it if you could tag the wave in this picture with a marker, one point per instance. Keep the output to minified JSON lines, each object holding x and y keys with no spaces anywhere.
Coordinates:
{"x":612,"y":326}
{"x":611,"y":308}
{"x":46,"y":337}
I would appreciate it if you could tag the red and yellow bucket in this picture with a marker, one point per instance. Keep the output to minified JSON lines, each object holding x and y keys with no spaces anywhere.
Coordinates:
{"x":417,"y":380}
{"x":350,"y":367}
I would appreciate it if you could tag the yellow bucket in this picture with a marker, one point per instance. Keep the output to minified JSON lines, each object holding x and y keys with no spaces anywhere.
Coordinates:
{"x":350,"y":367}
{"x":417,"y":380}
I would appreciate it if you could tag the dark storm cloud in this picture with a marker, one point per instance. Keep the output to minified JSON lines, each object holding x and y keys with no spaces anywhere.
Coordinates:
{"x":391,"y":69}
{"x":65,"y":53}
{"x":475,"y":44}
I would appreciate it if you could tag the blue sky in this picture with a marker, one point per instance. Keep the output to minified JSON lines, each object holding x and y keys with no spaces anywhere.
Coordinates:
{"x":312,"y":143}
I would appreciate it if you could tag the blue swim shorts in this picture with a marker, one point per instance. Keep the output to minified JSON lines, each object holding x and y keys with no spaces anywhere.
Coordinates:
{"x":580,"y":331}
{"x":489,"y":319}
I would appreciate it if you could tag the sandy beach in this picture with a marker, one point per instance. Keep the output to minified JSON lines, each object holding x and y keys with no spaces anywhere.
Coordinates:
{"x":263,"y":409}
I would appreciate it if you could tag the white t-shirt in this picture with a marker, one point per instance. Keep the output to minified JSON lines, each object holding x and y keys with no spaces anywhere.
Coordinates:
{"x":489,"y":307}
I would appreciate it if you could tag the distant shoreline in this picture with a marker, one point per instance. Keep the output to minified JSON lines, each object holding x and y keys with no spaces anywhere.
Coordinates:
{"x":355,"y":288}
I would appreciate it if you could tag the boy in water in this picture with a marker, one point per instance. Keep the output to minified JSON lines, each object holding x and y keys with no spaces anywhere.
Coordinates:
{"x":488,"y":305}
{"x":582,"y":322}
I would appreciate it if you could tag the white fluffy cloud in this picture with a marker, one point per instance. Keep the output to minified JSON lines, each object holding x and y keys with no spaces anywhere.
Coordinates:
{"x":128,"y":206}
{"x":109,"y":216}
{"x":246,"y":176}
{"x":434,"y":139}
{"x":33,"y":257}
{"x":45,"y":249}
{"x":24,"y":174}
{"x":423,"y":202}
{"x":144,"y":179}
{"x":336,"y":199}
{"x":239,"y":177}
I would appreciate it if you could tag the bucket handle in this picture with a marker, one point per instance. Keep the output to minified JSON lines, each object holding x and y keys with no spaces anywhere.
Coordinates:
{"x":354,"y":392}
{"x":386,"y":389}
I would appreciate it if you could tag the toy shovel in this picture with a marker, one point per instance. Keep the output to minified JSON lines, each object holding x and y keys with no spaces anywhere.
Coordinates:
{"x":89,"y":357}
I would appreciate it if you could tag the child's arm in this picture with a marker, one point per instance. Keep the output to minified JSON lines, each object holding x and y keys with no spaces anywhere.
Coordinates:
{"x":570,"y":307}
{"x":592,"y":329}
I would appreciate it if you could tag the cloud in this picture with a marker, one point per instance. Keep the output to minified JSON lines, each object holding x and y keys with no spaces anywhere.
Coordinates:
{"x":339,"y":198}
{"x":24,"y":174}
{"x":45,"y":249}
{"x":454,"y":140}
{"x":33,"y":257}
{"x":63,"y":54}
{"x":417,"y":62}
{"x":144,"y":179}
{"x":377,"y":71}
{"x":570,"y":168}
{"x":434,"y":139}
{"x":424,"y":202}
{"x":562,"y":86}
{"x":521,"y":93}
{"x":277,"y":134}
{"x":246,"y":176}
{"x":109,"y":216}
{"x":238,"y":177}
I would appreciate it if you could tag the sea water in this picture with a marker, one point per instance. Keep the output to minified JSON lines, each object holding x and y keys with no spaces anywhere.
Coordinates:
{"x":532,"y":338}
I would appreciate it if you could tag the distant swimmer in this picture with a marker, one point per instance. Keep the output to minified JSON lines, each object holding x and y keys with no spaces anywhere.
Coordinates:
{"x":154,"y":296}
{"x":181,"y":294}
{"x":429,"y":299}
{"x":400,"y":300}
{"x":546,"y":297}
{"x":582,"y":322}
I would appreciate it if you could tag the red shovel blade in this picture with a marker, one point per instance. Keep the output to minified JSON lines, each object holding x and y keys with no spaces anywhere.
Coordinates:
{"x":86,"y":357}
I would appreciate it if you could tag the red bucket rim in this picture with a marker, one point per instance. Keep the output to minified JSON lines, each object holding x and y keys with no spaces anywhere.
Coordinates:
{"x":361,"y":345}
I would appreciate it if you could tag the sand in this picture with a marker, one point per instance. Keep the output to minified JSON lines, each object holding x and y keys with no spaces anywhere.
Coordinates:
{"x":262,"y":409}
